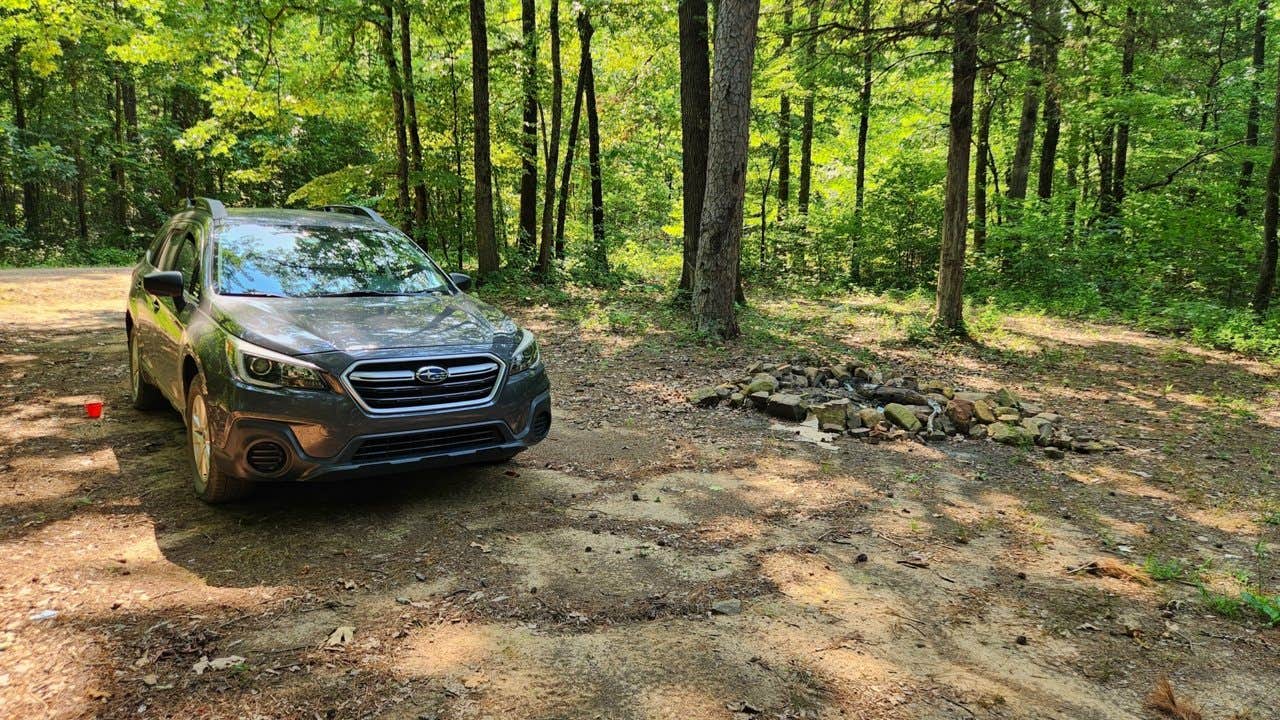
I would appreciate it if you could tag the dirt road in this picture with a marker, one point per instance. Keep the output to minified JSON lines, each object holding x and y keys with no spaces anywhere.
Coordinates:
{"x":889,"y":581}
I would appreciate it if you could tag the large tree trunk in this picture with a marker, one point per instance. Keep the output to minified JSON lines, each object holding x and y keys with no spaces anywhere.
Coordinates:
{"x":553,"y":150}
{"x":1106,"y":154}
{"x":784,"y":124}
{"x":599,"y":255}
{"x":806,"y":123}
{"x":529,"y":130}
{"x":395,"y":81}
{"x":720,"y":235}
{"x":980,"y":168}
{"x":695,"y":118}
{"x":964,"y":71}
{"x":864,"y":128}
{"x":119,"y":193}
{"x":1020,"y":165}
{"x":1271,"y":215}
{"x":486,"y":245}
{"x":411,"y":112}
{"x":567,"y":174}
{"x":1052,"y":105}
{"x":1121,"y":166}
{"x":1251,"y":123}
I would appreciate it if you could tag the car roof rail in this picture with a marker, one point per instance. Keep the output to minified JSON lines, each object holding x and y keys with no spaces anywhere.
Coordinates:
{"x":214,"y":207}
{"x":357,"y":210}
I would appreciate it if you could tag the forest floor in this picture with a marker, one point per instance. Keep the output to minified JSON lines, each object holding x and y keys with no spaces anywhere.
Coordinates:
{"x":577,"y":581}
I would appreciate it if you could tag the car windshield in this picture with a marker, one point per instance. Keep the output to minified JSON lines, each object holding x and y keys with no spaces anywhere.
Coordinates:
{"x":318,"y":261}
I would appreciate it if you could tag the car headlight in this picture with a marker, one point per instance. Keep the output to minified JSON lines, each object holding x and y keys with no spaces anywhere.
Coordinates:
{"x":265,"y":368}
{"x":526,"y":355}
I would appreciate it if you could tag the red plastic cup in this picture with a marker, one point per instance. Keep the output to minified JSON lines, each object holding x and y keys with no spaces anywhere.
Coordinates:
{"x":93,"y":409}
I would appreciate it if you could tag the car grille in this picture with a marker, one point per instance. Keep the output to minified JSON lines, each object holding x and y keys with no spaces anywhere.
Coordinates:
{"x":394,"y":385}
{"x":426,"y":443}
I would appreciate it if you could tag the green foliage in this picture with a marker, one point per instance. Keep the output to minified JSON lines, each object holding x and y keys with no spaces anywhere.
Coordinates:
{"x":1220,"y":603}
{"x":1266,"y":605}
{"x":1159,"y":569}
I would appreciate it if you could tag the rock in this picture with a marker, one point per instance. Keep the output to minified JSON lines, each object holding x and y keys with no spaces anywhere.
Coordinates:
{"x":899,"y":395}
{"x":978,"y":432}
{"x":1052,"y":418}
{"x":902,"y":416}
{"x":725,"y":390}
{"x":705,"y":397}
{"x":759,"y":400}
{"x":859,"y":432}
{"x":935,"y":435}
{"x":832,"y":414}
{"x":787,"y":407}
{"x":936,"y":388}
{"x":961,"y":412}
{"x":1088,"y":447}
{"x":870,"y":417}
{"x":839,"y":373}
{"x":1010,"y":434}
{"x":736,"y":400}
{"x":1054,"y":453}
{"x":727,"y":607}
{"x":1030,"y":408}
{"x":853,"y":416}
{"x":761,"y":382}
{"x":757,"y":367}
{"x":1007,"y":397}
{"x":973,"y":396}
{"x":813,"y":375}
{"x":983,"y":410}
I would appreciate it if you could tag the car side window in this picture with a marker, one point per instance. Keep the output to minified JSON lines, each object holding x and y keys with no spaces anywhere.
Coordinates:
{"x":187,"y":261}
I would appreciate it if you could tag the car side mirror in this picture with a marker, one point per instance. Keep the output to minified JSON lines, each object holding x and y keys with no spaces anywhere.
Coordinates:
{"x":462,"y":280}
{"x":162,"y":283}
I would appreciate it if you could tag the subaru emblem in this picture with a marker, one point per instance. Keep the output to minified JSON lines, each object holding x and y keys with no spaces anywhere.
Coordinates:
{"x":431,"y":375}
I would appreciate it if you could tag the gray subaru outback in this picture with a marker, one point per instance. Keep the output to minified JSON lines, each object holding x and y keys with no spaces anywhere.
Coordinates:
{"x":301,"y":345}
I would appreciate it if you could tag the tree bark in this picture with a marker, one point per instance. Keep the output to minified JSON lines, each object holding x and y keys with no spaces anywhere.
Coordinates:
{"x":1271,"y":216}
{"x":720,"y":234}
{"x":459,"y":222}
{"x":806,"y":123}
{"x":964,"y":70}
{"x":119,"y":194}
{"x":386,"y":28}
{"x":1052,"y":105}
{"x":1255,"y":112}
{"x":77,"y":154}
{"x":695,"y":119}
{"x":864,"y":127}
{"x":567,"y":174}
{"x":411,"y":113}
{"x":784,"y":124}
{"x":1106,"y":154}
{"x":553,"y":151}
{"x":980,"y":168}
{"x":1020,"y":165}
{"x":529,"y":130}
{"x":599,"y":252}
{"x":486,"y":245}
{"x":1121,"y":165}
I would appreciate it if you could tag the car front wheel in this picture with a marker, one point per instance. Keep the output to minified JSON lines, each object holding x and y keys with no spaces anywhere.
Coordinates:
{"x":211,"y":484}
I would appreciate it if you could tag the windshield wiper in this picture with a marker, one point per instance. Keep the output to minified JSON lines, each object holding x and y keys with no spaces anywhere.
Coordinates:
{"x":253,"y":293}
{"x":378,"y":293}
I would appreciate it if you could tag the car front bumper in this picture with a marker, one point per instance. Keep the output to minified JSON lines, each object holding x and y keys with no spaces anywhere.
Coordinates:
{"x":327,"y":436}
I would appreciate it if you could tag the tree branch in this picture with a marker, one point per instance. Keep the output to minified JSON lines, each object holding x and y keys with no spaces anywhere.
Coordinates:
{"x":1168,"y":178}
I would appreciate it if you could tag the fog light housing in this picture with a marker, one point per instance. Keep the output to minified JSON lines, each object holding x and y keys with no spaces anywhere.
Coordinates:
{"x":267,"y":457}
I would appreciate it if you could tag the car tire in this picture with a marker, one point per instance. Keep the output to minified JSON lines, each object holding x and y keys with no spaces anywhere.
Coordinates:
{"x":211,"y":484}
{"x":142,"y":394}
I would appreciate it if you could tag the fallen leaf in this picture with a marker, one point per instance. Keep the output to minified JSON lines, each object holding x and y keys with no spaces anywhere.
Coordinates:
{"x":341,"y":636}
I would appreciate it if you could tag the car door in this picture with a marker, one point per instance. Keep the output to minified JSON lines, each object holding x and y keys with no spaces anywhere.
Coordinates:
{"x":171,"y":314}
{"x":143,"y":306}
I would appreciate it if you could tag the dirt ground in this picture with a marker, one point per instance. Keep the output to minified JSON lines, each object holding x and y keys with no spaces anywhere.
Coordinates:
{"x":876,"y":581}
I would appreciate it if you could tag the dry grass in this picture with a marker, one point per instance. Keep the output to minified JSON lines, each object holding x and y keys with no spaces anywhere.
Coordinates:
{"x":1164,"y":701}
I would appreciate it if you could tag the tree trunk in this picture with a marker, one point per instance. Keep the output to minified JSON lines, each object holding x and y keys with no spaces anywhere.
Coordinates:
{"x":1271,"y":215}
{"x":599,"y":252}
{"x":119,"y":193}
{"x":1052,"y":105}
{"x":77,"y":153}
{"x":1251,"y":124}
{"x":964,"y":70}
{"x":980,"y":168}
{"x":1106,"y":201}
{"x":553,"y":151}
{"x":567,"y":174}
{"x":529,"y":131}
{"x":1020,"y":165}
{"x":486,"y":245}
{"x":30,"y":202}
{"x":1122,"y":128}
{"x":720,"y":235}
{"x":784,"y":124}
{"x":459,"y":220}
{"x":695,"y":118}
{"x":864,"y":127}
{"x":806,"y":123}
{"x":395,"y":81}
{"x":415,"y":138}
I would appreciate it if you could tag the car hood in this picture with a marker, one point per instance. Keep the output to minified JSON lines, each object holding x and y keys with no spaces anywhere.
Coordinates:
{"x":302,"y":326}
